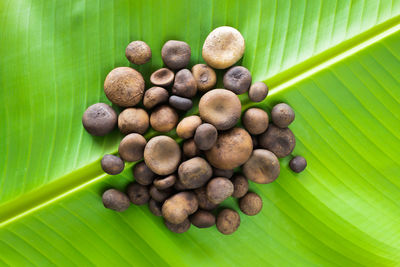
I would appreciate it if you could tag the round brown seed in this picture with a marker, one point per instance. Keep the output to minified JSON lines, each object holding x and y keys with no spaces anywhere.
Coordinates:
{"x":219,"y":189}
{"x":133,"y":120}
{"x":178,"y":228}
{"x":159,"y":195}
{"x":258,"y":91}
{"x":223,"y":47}
{"x":282,"y":115}
{"x":178,"y":207}
{"x":202,"y":219}
{"x":237,"y":79}
{"x":298,"y":164}
{"x":204,"y":203}
{"x":124,"y":86}
{"x":138,"y":194}
{"x":251,"y":204}
{"x":205,"y":136}
{"x":262,"y":167}
{"x":175,"y":54}
{"x":155,"y":96}
{"x":131,"y":147}
{"x":138,"y":52}
{"x":190,"y":149}
{"x":162,"y":77}
{"x":187,"y":127}
{"x":164,"y":183}
{"x":155,"y":207}
{"x":240,"y":185}
{"x":222,"y":173}
{"x":115,"y":200}
{"x":255,"y":120}
{"x":99,"y":119}
{"x":205,"y":77}
{"x":185,"y":84}
{"x":162,"y":155}
{"x":194,"y":172}
{"x":221,"y":108}
{"x":142,"y":174}
{"x":180,"y":103}
{"x":232,"y":149}
{"x":280,"y":141}
{"x":163,"y":118}
{"x":112,"y":164}
{"x":228,"y":221}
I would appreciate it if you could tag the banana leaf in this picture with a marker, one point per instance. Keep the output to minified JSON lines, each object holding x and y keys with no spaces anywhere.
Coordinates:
{"x":337,"y":63}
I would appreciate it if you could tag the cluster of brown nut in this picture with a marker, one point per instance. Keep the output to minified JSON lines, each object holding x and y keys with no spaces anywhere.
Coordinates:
{"x":186,"y":184}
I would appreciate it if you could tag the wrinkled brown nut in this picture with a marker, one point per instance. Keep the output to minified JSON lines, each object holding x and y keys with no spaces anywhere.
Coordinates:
{"x":133,"y":120}
{"x":240,"y":185}
{"x":228,"y":221}
{"x":187,"y":126}
{"x":112,"y":164}
{"x":221,"y":108}
{"x":232,"y":149}
{"x":255,"y":120}
{"x":204,"y":203}
{"x":138,"y":52}
{"x":219,"y":189}
{"x":138,"y":194}
{"x":205,"y":136}
{"x":282,"y":115}
{"x":202,"y":219}
{"x":185,"y":84}
{"x":178,"y":228}
{"x":124,"y":86}
{"x":115,"y":200}
{"x":142,"y":174}
{"x":164,"y":183}
{"x":280,"y":141}
{"x":162,"y":155}
{"x":163,"y":118}
{"x":131,"y":147}
{"x":162,"y":77}
{"x":190,"y":150}
{"x":223,"y":47}
{"x":205,"y":77}
{"x":178,"y":207}
{"x":258,"y":92}
{"x":155,"y":96}
{"x":251,"y":204}
{"x":194,"y":172}
{"x":99,"y":119}
{"x":262,"y":167}
{"x":176,"y":54}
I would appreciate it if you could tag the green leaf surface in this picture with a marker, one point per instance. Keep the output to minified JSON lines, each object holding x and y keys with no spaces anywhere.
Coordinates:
{"x":337,"y":63}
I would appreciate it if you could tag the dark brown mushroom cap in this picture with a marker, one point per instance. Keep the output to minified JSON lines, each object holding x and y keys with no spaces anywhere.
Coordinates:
{"x":222,"y":173}
{"x":219,"y":189}
{"x":176,"y":54}
{"x":138,"y":194}
{"x":282,"y":115}
{"x":133,"y":120}
{"x":262,"y":167}
{"x":142,"y":174}
{"x":205,"y":77}
{"x":99,"y":119}
{"x":155,"y":207}
{"x":232,"y":149}
{"x":228,"y":221}
{"x":155,"y":96}
{"x":138,"y":52}
{"x":184,"y":85}
{"x":240,"y":185}
{"x":255,"y":120}
{"x":251,"y":204}
{"x":237,"y":79}
{"x":159,"y":195}
{"x":124,"y":86}
{"x":190,"y":149}
{"x":204,"y":203}
{"x":131,"y":147}
{"x":280,"y":141}
{"x":112,"y":164}
{"x":163,"y":118}
{"x":115,"y":200}
{"x":187,"y":126}
{"x":163,"y":183}
{"x":205,"y":136}
{"x":194,"y":172}
{"x":178,"y":207}
{"x":258,"y":91}
{"x":162,"y":155}
{"x":202,"y":219}
{"x":298,"y":164}
{"x":221,"y":108}
{"x":162,"y":77}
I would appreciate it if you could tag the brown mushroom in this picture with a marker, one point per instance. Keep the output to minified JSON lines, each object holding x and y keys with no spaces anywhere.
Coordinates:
{"x":164,"y":183}
{"x":251,"y":204}
{"x":205,"y":136}
{"x":131,"y":147}
{"x":190,"y":149}
{"x":202,"y":219}
{"x":155,"y":207}
{"x":262,"y":167}
{"x":194,"y":172}
{"x":138,"y":194}
{"x":219,"y":189}
{"x":204,"y":76}
{"x":115,"y":200}
{"x":258,"y":91}
{"x":255,"y":120}
{"x":280,"y":141}
{"x":178,"y":228}
{"x":184,"y":84}
{"x":187,"y":127}
{"x":176,"y":54}
{"x":237,"y":79}
{"x":133,"y":120}
{"x":163,"y":118}
{"x":228,"y":221}
{"x":99,"y":119}
{"x":142,"y":174}
{"x":240,"y":185}
{"x":204,"y":203}
{"x":162,"y":77}
{"x":138,"y":52}
{"x":178,"y":207}
{"x":155,"y":96}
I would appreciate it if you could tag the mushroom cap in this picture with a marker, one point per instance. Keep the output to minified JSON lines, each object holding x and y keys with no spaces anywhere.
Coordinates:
{"x":205,"y":77}
{"x":178,"y":207}
{"x":194,"y":172}
{"x":178,"y":228}
{"x":124,"y":86}
{"x":115,"y":200}
{"x":202,"y":219}
{"x":223,"y":47}
{"x":280,"y":141}
{"x":163,"y":118}
{"x":131,"y":147}
{"x":219,"y":189}
{"x":255,"y":120}
{"x":282,"y":115}
{"x":162,"y":155}
{"x":258,"y":91}
{"x":262,"y":167}
{"x":251,"y":204}
{"x":133,"y":120}
{"x":187,"y":126}
{"x":228,"y":221}
{"x":221,"y":108}
{"x":232,"y":149}
{"x":154,"y":96}
{"x":99,"y":119}
{"x":138,"y":52}
{"x":162,"y":77}
{"x":176,"y":54}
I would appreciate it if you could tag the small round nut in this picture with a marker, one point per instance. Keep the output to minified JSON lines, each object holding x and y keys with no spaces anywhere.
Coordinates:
{"x":251,"y":204}
{"x":155,"y":96}
{"x":180,"y":103}
{"x":255,"y":120}
{"x":133,"y":120}
{"x":282,"y":115}
{"x":187,"y":127}
{"x":124,"y":86}
{"x":115,"y":200}
{"x":205,"y":77}
{"x":138,"y":52}
{"x":99,"y":119}
{"x":176,"y":54}
{"x":164,"y":183}
{"x":228,"y":221}
{"x":163,"y":118}
{"x":131,"y":147}
{"x":298,"y":164}
{"x":223,"y":47}
{"x":219,"y":189}
{"x":262,"y":167}
{"x":112,"y":164}
{"x":258,"y":91}
{"x":138,"y":194}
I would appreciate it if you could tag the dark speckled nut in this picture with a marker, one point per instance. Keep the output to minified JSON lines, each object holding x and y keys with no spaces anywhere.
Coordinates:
{"x":258,"y":92}
{"x":138,"y":194}
{"x":280,"y":141}
{"x":251,"y":204}
{"x":115,"y":200}
{"x":180,"y":103}
{"x":178,"y":228}
{"x":176,"y":54}
{"x":240,"y":185}
{"x":237,"y":79}
{"x":99,"y":119}
{"x":138,"y":52}
{"x":298,"y":164}
{"x":155,"y":96}
{"x":185,"y":85}
{"x":282,"y":115}
{"x":228,"y":221}
{"x":112,"y":164}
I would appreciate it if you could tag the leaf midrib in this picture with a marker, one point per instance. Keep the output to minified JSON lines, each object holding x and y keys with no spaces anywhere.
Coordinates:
{"x":27,"y":203}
